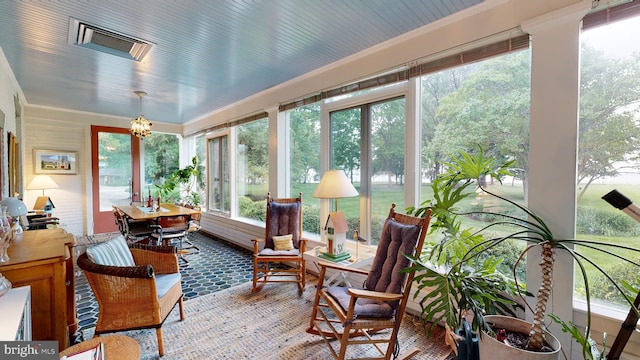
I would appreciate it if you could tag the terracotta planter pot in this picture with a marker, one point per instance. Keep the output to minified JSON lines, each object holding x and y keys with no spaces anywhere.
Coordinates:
{"x":491,"y":348}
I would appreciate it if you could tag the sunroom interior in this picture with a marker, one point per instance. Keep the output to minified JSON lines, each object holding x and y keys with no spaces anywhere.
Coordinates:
{"x":388,"y":96}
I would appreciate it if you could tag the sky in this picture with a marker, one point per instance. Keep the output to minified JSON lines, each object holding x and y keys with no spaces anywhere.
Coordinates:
{"x":612,"y":38}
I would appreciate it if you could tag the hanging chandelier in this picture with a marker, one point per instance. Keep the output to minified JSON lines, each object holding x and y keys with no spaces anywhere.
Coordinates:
{"x":140,"y":126}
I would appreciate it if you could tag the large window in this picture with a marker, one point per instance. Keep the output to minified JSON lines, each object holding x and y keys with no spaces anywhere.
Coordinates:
{"x":609,"y":148}
{"x":218,"y":168}
{"x":161,"y":157}
{"x":304,"y":157}
{"x":484,"y":104}
{"x":346,"y":155}
{"x":367,"y":142}
{"x":252,"y":168}
{"x":386,"y":177}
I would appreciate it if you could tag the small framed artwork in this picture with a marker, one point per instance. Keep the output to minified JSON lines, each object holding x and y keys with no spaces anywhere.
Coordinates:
{"x":55,"y":162}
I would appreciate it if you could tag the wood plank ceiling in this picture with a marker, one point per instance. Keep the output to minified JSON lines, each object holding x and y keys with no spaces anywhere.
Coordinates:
{"x":206,"y":54}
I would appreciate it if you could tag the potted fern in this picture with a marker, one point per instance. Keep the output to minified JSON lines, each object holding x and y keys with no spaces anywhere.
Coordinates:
{"x":468,"y":172}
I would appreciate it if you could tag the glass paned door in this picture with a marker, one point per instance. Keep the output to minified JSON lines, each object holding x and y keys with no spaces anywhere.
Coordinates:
{"x":116,"y":173}
{"x":219,"y":193}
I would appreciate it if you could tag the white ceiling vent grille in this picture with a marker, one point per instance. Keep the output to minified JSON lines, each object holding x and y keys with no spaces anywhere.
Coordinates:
{"x":100,"y":39}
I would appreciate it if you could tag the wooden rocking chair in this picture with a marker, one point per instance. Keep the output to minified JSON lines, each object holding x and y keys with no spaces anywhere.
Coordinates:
{"x":283,"y":242}
{"x":374,"y":312}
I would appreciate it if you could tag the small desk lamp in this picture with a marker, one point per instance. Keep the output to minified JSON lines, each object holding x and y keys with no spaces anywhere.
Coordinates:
{"x":16,"y":208}
{"x":334,"y":185}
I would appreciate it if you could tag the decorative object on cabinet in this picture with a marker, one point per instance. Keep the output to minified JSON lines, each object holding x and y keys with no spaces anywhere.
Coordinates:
{"x":43,"y":205}
{"x":16,"y":209}
{"x":5,"y":285}
{"x":5,"y":236}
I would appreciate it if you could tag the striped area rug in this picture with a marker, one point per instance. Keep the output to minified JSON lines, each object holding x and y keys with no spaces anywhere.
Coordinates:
{"x":238,"y":324}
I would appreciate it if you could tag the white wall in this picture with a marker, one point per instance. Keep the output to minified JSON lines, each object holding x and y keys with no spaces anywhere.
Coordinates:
{"x":69,"y":201}
{"x":9,"y":88}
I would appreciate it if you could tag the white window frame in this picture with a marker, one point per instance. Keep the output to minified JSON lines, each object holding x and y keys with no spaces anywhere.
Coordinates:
{"x":412,"y":127}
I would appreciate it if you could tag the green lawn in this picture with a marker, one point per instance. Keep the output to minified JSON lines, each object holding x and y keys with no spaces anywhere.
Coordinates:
{"x":591,"y":203}
{"x":384,"y":195}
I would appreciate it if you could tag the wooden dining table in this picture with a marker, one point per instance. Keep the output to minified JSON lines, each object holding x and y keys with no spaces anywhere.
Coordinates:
{"x":139,"y":212}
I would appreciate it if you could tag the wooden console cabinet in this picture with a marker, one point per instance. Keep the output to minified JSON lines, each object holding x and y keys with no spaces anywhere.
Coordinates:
{"x":43,"y":259}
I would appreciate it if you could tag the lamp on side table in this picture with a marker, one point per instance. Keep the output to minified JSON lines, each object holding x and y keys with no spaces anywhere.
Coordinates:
{"x":335,"y":185}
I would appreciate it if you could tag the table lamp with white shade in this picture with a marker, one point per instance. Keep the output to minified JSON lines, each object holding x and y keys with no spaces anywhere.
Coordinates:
{"x":335,"y":185}
{"x":16,"y":209}
{"x":42,"y":182}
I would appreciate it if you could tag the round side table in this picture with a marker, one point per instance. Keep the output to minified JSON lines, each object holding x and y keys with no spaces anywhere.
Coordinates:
{"x":116,"y":347}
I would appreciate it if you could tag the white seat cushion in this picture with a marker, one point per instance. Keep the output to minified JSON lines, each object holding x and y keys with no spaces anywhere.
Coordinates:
{"x":271,"y":252}
{"x":164,"y":282}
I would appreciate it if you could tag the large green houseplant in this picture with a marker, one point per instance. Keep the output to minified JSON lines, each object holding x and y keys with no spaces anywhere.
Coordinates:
{"x":183,"y":185}
{"x":451,"y":286}
{"x":464,"y":179}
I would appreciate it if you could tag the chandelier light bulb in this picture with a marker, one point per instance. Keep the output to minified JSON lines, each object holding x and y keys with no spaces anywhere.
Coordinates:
{"x":140,"y":126}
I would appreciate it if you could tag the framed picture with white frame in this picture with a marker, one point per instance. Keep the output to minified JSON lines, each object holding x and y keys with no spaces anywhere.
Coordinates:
{"x":55,"y":162}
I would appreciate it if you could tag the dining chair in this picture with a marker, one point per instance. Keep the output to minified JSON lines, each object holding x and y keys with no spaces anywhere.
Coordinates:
{"x":352,"y":315}
{"x":172,"y":229}
{"x":194,"y":227}
{"x":132,"y":230}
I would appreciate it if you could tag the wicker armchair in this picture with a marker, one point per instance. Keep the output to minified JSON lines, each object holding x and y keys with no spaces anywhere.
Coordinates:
{"x":128,"y":295}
